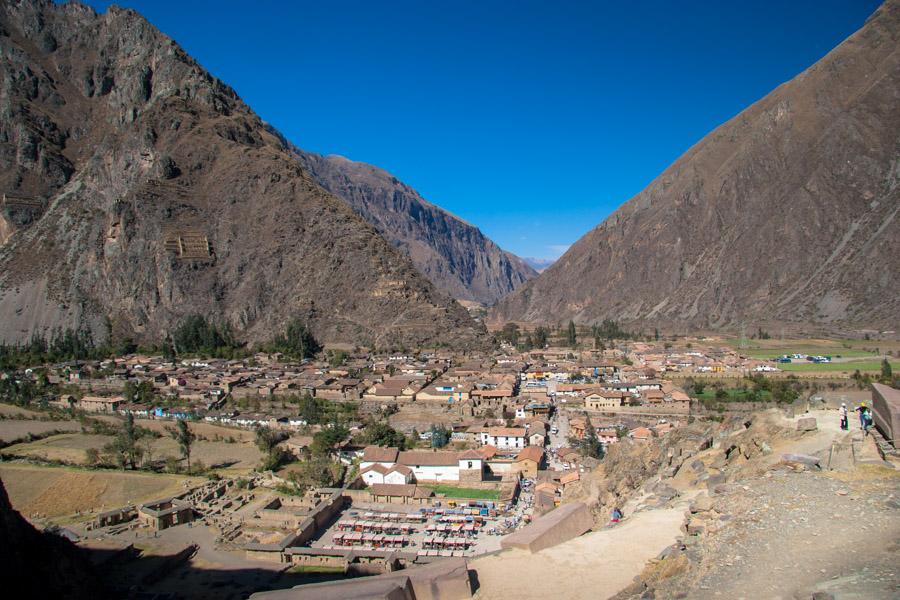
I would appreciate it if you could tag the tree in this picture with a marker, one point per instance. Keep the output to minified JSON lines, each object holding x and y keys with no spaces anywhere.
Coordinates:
{"x":440,"y":436}
{"x":325,"y":440}
{"x":887,"y":372}
{"x":338,"y":358}
{"x":297,"y":341}
{"x":540,"y":336}
{"x":183,"y":435}
{"x":509,"y":333}
{"x":656,"y":334}
{"x":309,"y":409}
{"x":589,"y":445}
{"x":92,"y":456}
{"x":380,"y":433}
{"x":571,"y":335}
{"x":128,"y":440}
{"x":266,"y":439}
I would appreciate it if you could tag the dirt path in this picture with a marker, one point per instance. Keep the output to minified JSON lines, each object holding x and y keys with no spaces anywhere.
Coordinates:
{"x":594,"y":566}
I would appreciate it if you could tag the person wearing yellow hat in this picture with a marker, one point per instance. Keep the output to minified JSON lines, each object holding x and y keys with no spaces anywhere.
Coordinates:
{"x":864,"y":419}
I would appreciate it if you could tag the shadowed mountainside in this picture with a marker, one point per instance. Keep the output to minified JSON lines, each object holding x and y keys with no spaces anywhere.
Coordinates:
{"x":453,"y":254}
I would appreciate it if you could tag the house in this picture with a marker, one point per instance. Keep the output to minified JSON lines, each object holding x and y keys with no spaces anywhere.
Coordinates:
{"x":372,"y":455}
{"x":298,"y":445}
{"x":537,"y":439}
{"x":652,"y":397}
{"x":641,"y":434}
{"x":98,"y":404}
{"x":528,"y":461}
{"x":471,"y":466}
{"x":606,"y":399}
{"x":395,"y":475}
{"x":439,"y":465}
{"x":569,"y":478}
{"x":505,"y":438}
{"x":165,"y":513}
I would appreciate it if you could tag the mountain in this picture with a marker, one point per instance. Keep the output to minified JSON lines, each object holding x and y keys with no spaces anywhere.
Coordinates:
{"x":786,"y":214}
{"x":138,"y":189}
{"x":538,"y":264}
{"x":453,"y":254}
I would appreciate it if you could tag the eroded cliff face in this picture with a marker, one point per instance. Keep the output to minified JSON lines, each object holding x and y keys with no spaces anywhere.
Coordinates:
{"x":157,"y":193}
{"x":453,"y":254}
{"x":786,"y":214}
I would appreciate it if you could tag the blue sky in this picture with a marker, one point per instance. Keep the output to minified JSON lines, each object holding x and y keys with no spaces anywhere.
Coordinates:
{"x":531,"y":120}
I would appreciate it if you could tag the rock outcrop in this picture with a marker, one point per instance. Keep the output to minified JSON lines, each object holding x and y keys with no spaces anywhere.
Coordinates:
{"x":453,"y":254}
{"x":139,"y":189}
{"x":784,"y":215}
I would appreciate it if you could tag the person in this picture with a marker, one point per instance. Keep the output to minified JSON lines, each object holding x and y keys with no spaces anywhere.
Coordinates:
{"x":863,"y":417}
{"x":844,"y":424}
{"x":616,"y":515}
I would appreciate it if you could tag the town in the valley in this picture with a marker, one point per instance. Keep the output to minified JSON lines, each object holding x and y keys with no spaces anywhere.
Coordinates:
{"x":266,"y":471}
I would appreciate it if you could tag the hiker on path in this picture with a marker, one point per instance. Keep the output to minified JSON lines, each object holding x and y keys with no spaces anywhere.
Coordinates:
{"x":616,"y":515}
{"x":864,"y":418}
{"x":844,"y":424}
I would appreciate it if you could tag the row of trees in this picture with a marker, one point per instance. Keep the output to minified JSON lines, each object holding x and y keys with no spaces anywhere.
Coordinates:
{"x":194,"y":335}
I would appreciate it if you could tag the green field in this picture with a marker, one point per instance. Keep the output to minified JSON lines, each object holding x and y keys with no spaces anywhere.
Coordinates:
{"x":849,"y":367}
{"x":832,"y":351}
{"x":460,"y":492}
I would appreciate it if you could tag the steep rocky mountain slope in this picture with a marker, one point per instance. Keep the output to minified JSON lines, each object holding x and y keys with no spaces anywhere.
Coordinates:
{"x":453,"y":254}
{"x":139,"y":189}
{"x":786,"y":214}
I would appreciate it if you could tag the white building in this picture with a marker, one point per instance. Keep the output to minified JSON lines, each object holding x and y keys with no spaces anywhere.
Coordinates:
{"x":504,"y":438}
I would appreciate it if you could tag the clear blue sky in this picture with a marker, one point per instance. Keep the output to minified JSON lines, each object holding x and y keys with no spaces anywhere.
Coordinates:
{"x":531,"y":120}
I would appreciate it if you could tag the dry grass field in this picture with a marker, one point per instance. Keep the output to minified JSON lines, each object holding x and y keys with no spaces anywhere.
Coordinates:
{"x":17,"y":412}
{"x":14,"y":429}
{"x":56,"y":492}
{"x":207,"y":430}
{"x":71,"y":448}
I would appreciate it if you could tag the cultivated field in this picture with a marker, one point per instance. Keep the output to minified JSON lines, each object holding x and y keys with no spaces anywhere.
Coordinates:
{"x":838,"y":367}
{"x":207,"y":430}
{"x":55,"y":492}
{"x":14,"y":429}
{"x":846,"y":349}
{"x":71,"y":448}
{"x":17,"y":412}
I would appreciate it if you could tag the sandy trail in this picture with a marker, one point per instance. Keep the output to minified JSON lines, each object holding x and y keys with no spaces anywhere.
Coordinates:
{"x":594,"y":566}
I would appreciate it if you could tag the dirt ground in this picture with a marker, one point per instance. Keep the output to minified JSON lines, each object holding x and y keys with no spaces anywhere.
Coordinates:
{"x":53,"y":492}
{"x":595,"y":565}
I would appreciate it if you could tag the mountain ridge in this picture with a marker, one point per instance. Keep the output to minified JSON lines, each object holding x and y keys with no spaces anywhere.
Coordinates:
{"x":150,"y":191}
{"x":454,"y":254}
{"x":774,"y":217}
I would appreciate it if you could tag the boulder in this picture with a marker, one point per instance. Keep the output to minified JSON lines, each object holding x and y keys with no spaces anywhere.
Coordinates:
{"x":557,"y":526}
{"x":803,"y":459}
{"x":701,"y":503}
{"x":806,"y":424}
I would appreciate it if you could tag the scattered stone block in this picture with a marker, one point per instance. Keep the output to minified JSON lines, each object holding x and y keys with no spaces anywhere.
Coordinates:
{"x":807,"y":424}
{"x":557,"y":526}
{"x":802,"y":459}
{"x":702,"y":503}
